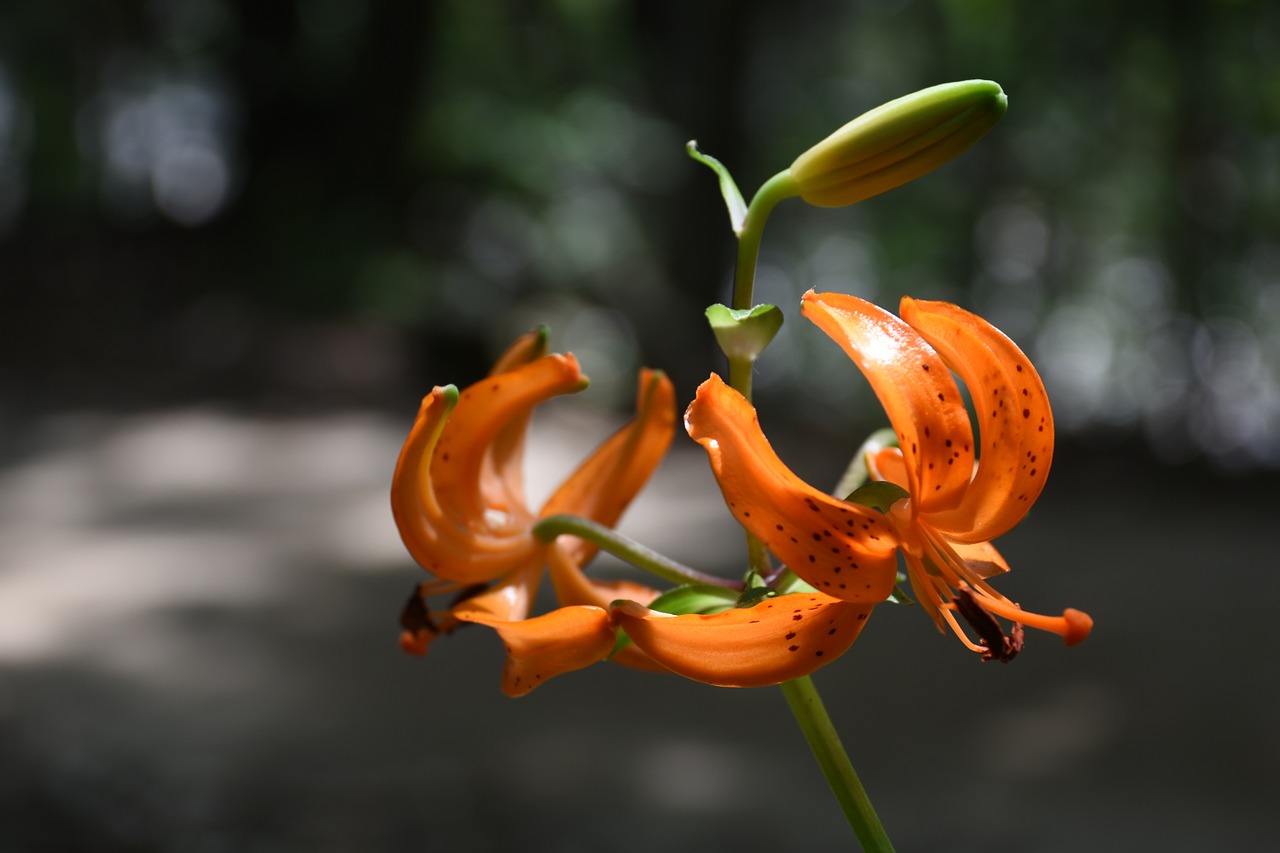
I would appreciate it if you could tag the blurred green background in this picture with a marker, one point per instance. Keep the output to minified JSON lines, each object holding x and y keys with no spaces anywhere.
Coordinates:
{"x":232,"y":232}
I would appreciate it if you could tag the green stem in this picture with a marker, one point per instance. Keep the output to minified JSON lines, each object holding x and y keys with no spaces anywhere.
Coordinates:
{"x":809,"y":712}
{"x":772,"y":191}
{"x":801,"y":695}
{"x":625,"y":548}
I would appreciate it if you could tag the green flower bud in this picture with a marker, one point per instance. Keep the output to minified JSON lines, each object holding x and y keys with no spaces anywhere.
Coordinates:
{"x":897,"y":142}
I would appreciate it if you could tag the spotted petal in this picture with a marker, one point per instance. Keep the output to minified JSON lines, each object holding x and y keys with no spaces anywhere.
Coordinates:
{"x":1014,"y":420}
{"x":843,"y":549}
{"x":915,"y":388}
{"x":779,"y":639}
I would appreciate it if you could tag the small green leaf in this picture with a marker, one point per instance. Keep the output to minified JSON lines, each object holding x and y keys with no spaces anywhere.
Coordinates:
{"x":688,"y":598}
{"x":695,"y":598}
{"x":743,"y":333}
{"x":899,"y":596}
{"x":879,"y":494}
{"x":732,"y":195}
{"x":755,"y":595}
{"x":789,"y":582}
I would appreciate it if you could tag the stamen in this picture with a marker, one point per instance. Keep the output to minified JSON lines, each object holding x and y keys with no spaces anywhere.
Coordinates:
{"x":997,"y":645}
{"x":953,"y":567}
{"x":926,"y":588}
{"x":1073,"y":625}
{"x":962,"y":636}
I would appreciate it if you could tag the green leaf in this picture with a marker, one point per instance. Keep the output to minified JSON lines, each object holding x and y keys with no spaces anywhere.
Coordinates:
{"x":743,"y":333}
{"x":755,"y":595}
{"x":789,"y":582}
{"x":899,"y":594}
{"x":879,"y":494}
{"x":732,"y":195}
{"x":688,"y":598}
{"x":695,"y":598}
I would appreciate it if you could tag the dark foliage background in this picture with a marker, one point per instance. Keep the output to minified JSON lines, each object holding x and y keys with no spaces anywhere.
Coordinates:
{"x":239,"y":240}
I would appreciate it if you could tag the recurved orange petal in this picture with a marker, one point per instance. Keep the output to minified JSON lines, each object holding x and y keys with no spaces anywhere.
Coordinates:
{"x":1015,"y":423}
{"x":502,"y":472}
{"x":554,"y":643}
{"x":484,"y":410}
{"x":607,"y":481}
{"x":432,"y":538}
{"x":779,"y":639}
{"x":845,"y":550}
{"x":915,"y":388}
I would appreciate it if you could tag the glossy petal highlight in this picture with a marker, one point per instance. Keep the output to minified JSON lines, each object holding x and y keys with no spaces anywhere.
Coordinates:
{"x":915,"y":388}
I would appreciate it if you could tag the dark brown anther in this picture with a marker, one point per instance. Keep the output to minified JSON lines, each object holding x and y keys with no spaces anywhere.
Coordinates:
{"x":998,"y":646}
{"x":415,"y":617}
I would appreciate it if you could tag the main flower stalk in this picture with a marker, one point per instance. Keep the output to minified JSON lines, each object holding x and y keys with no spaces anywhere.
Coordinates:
{"x":802,"y":696}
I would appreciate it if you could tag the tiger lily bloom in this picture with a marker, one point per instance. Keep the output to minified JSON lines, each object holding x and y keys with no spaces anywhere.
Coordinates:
{"x":459,"y":503}
{"x":958,"y":496}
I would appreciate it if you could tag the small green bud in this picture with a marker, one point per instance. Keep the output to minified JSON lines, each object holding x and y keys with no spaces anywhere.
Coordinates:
{"x":897,"y":142}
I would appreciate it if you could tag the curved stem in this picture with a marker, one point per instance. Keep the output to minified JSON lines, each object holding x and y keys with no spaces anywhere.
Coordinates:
{"x":810,"y":713}
{"x":625,"y":548}
{"x":772,"y":191}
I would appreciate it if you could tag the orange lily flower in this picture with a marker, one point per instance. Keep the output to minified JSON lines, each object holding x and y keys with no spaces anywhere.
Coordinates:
{"x":459,"y":503}
{"x":956,"y":501}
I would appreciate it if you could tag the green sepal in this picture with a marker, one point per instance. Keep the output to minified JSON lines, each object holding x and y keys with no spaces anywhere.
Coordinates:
{"x":879,"y":495}
{"x":743,"y":333}
{"x":732,"y":195}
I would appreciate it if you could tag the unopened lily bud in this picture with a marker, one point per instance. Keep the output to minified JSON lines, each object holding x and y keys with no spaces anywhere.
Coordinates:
{"x":897,"y":142}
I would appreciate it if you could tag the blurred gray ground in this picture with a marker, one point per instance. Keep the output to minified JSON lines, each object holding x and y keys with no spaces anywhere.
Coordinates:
{"x":197,"y":653}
